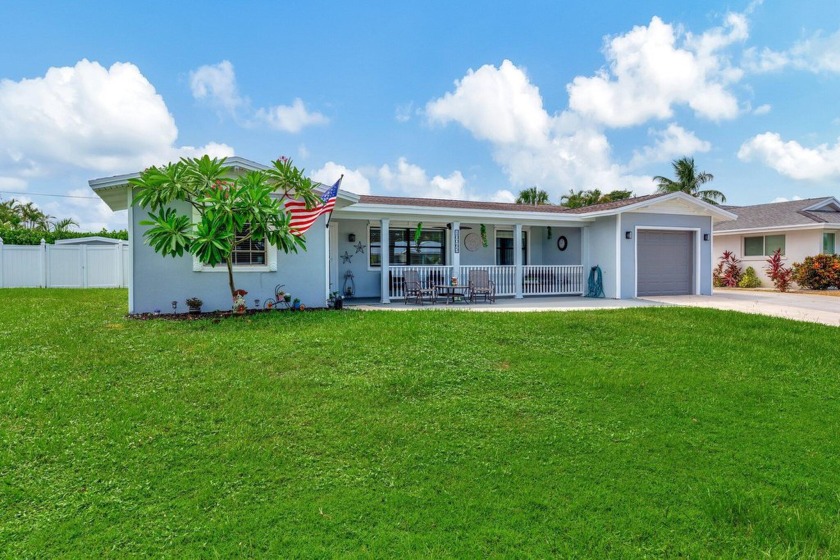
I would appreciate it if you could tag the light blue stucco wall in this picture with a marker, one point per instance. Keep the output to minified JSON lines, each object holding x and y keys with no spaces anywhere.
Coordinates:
{"x":599,"y":250}
{"x":551,"y":255}
{"x":158,"y":280}
{"x":632,"y":220}
{"x":365,"y":278}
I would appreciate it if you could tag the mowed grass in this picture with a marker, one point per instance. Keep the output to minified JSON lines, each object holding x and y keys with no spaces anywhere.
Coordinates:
{"x":655,"y":432}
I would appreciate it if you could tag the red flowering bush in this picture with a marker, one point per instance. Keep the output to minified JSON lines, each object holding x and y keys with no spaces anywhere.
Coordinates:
{"x":781,"y":275}
{"x":818,"y":273}
{"x":727,"y":273}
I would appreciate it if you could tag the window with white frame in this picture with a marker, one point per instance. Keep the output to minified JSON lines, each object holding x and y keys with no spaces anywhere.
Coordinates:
{"x":248,"y":251}
{"x":402,"y":249}
{"x":828,"y":243}
{"x":763,"y":245}
{"x":504,"y":247}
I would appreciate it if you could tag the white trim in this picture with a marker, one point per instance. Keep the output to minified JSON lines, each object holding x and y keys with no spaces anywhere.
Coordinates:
{"x":504,"y":227}
{"x":777,"y":228}
{"x":711,"y":208}
{"x":365,"y":211}
{"x":698,"y":232}
{"x":618,"y":234}
{"x":131,"y":232}
{"x":829,"y":201}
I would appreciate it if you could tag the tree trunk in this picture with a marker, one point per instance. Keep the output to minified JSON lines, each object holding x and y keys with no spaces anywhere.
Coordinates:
{"x":229,"y":263}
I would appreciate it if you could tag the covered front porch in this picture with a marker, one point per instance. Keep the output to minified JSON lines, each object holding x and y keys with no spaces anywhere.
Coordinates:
{"x":509,"y":280}
{"x":371,"y":258}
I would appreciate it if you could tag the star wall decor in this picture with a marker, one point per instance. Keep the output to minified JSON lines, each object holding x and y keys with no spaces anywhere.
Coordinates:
{"x":360,"y":248}
{"x":345,"y":258}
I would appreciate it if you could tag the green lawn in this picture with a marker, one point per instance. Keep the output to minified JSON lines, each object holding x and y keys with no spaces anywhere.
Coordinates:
{"x":651,"y":432}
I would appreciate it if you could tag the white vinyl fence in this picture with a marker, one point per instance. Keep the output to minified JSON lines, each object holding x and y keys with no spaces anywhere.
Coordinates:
{"x":59,"y":266}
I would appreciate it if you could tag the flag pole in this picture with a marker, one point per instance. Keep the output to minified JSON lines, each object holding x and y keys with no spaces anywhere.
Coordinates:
{"x":329,"y":217}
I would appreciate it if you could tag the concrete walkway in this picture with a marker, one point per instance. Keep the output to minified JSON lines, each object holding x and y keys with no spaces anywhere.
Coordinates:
{"x":797,"y":306}
{"x":822,"y":309}
{"x":538,"y":303}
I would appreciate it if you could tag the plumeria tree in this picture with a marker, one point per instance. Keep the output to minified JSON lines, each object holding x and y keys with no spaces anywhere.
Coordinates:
{"x":229,"y":209}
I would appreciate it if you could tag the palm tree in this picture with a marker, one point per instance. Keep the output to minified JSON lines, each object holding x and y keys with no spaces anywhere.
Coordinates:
{"x":689,"y":181}
{"x":63,"y":226}
{"x":532,"y":196}
{"x":29,"y":215}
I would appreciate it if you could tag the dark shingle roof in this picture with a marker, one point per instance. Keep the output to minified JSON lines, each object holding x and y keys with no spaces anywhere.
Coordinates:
{"x":777,"y":214}
{"x":500,"y":206}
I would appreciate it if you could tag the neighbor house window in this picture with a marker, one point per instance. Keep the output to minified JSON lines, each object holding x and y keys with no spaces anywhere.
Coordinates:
{"x":403,"y":251}
{"x":248,"y":252}
{"x":504,"y":247}
{"x":828,"y":243}
{"x":763,"y":246}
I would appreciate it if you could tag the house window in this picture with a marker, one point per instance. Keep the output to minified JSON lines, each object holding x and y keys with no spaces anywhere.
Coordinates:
{"x":250,"y":251}
{"x":763,"y":246}
{"x":828,"y":243}
{"x":504,"y":247}
{"x":403,"y":251}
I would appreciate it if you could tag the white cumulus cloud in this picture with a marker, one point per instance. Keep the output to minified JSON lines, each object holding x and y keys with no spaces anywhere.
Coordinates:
{"x":819,"y":53}
{"x":653,"y":68}
{"x":290,"y":118}
{"x":354,"y":180}
{"x":412,"y":180}
{"x":85,"y":116}
{"x":791,"y":158}
{"x":216,"y":85}
{"x":673,"y":141}
{"x":556,"y":152}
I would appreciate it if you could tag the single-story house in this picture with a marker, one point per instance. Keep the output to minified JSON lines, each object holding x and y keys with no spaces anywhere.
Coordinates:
{"x":656,"y":244}
{"x":800,"y":228}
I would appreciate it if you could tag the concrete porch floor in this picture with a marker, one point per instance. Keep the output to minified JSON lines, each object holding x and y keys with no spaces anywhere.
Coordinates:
{"x":508,"y":304}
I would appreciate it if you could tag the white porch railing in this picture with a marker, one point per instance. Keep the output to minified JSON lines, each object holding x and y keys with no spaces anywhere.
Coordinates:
{"x":537,"y":280}
{"x":504,"y":277}
{"x":544,"y":280}
{"x":429,"y":277}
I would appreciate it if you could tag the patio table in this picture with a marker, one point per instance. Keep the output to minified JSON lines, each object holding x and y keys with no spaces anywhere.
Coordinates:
{"x":451,"y":293}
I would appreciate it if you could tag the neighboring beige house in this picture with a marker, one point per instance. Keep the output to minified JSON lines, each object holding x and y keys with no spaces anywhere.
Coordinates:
{"x":800,"y":228}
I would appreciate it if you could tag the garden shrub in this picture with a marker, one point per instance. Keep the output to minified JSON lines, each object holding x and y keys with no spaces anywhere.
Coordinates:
{"x":781,"y":275}
{"x":749,"y":279}
{"x":818,"y":273}
{"x":727,"y":273}
{"x":25,"y":236}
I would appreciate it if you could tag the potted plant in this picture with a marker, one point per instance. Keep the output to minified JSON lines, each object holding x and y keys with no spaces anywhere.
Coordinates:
{"x":287,"y":298}
{"x":336,"y":301}
{"x":296,"y":304}
{"x":195,"y":305}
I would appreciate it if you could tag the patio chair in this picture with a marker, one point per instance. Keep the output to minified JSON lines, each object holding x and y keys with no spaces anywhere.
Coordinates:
{"x":481,"y":285}
{"x":414,"y":290}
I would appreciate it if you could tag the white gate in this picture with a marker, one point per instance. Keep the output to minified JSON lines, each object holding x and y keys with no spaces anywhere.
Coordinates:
{"x":57,"y":266}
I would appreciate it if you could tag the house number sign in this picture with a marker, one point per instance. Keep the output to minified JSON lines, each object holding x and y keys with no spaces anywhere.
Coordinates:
{"x":456,"y":240}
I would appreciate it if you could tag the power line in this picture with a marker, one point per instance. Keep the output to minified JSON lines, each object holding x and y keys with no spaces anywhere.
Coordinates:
{"x":45,"y":194}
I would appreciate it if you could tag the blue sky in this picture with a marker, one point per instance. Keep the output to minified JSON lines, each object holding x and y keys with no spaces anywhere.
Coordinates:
{"x":443,"y":99}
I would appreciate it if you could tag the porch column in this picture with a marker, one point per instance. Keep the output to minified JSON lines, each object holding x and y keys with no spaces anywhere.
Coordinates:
{"x":517,"y":260}
{"x":455,"y":253}
{"x":384,"y":258}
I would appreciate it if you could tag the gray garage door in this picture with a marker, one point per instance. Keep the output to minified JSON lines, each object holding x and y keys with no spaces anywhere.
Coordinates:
{"x":666,"y":263}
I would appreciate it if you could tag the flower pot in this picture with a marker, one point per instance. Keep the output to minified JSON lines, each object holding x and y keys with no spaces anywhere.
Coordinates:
{"x":339,"y":304}
{"x":195,"y":310}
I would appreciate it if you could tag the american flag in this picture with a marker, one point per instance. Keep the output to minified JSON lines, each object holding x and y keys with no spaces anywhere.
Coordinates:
{"x":303,"y":217}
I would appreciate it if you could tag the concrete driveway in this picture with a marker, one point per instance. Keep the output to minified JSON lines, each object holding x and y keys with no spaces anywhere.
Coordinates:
{"x":823,"y":309}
